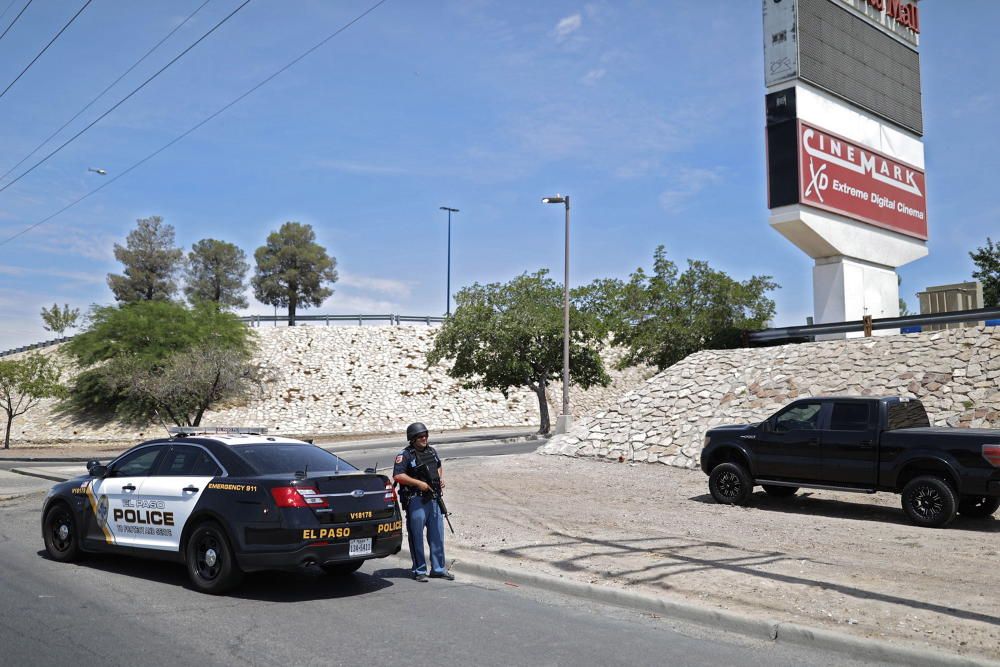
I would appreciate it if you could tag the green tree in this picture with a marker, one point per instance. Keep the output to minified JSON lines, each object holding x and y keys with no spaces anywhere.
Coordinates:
{"x":215,"y":272}
{"x":510,"y":335}
{"x":987,"y":261}
{"x":24,"y":383}
{"x":667,"y":315}
{"x":292,"y":270}
{"x":128,"y":349}
{"x":151,"y":263}
{"x":58,"y":320}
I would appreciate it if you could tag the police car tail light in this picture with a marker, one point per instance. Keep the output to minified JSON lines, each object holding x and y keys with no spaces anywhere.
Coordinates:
{"x":390,"y":493}
{"x":992,"y":454}
{"x":295,"y":496}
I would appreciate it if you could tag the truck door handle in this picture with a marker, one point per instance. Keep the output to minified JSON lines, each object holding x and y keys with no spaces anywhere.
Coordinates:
{"x":128,"y":487}
{"x":190,"y":489}
{"x":865,"y":443}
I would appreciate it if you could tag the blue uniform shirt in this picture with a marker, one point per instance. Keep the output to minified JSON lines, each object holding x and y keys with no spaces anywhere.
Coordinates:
{"x":409,"y":461}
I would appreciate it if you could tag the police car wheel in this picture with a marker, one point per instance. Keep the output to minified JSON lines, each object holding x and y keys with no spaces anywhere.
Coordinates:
{"x":342,"y":569}
{"x":60,"y":536}
{"x":210,"y":562}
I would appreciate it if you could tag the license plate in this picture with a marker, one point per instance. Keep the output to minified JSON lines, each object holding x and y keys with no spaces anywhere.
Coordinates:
{"x":361,"y":547}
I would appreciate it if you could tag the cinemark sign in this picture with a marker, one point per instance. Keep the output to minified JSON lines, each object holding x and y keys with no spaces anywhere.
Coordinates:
{"x":839,"y":176}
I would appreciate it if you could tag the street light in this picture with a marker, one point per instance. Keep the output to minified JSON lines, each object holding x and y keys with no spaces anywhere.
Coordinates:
{"x":563,"y":423}
{"x":447,"y":310}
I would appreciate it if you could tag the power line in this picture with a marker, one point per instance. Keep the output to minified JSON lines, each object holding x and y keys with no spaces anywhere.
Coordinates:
{"x":15,"y":18}
{"x":205,"y":120}
{"x":101,"y":94}
{"x":68,"y":23}
{"x":124,"y":99}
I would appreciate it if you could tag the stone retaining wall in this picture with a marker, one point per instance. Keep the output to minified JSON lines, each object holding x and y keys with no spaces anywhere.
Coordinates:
{"x":350,"y":380}
{"x":955,"y":373}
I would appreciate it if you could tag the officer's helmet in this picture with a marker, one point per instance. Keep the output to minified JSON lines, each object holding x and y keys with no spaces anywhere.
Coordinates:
{"x":414,"y":431}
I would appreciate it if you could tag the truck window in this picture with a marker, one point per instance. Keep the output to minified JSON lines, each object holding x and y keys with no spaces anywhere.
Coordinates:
{"x":804,"y":416}
{"x":907,"y":414}
{"x":850,"y":417}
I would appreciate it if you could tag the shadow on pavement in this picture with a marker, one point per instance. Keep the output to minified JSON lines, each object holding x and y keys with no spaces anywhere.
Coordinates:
{"x":671,"y":553}
{"x":274,"y":586}
{"x":807,"y":503}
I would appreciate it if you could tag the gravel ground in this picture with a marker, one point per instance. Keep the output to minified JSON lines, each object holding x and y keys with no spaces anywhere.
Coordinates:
{"x":847,"y":562}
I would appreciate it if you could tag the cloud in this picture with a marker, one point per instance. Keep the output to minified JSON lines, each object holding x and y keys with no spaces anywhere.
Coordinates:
{"x":394,"y":288}
{"x":360,"y":167}
{"x":690,"y":181}
{"x":75,"y":276}
{"x":567,"y":26}
{"x":593,"y":76}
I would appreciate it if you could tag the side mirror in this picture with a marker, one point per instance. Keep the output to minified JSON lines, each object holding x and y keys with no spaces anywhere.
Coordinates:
{"x":95,"y":469}
{"x":370,"y":471}
{"x":765,"y":426}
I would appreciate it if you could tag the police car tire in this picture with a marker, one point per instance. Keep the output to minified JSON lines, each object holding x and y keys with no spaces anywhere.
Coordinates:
{"x":342,"y":569}
{"x":210,"y":562}
{"x":62,"y":546}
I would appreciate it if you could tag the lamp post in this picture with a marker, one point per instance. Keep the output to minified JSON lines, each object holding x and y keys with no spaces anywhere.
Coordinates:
{"x":563,"y":423}
{"x":447,"y":310}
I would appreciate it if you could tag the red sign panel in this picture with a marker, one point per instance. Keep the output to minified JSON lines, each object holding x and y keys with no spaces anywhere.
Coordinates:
{"x":843,"y":177}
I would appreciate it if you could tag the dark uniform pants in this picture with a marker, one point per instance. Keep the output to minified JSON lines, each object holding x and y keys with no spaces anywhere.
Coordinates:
{"x":424,"y":514}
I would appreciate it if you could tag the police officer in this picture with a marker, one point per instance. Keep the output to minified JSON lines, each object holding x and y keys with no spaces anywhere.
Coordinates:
{"x":417,"y":471}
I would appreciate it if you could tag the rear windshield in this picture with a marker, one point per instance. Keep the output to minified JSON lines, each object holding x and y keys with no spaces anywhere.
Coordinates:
{"x":908,"y":414}
{"x":273,"y":459}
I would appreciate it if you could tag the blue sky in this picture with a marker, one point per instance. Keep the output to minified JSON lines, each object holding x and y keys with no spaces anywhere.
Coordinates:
{"x":648,"y":113}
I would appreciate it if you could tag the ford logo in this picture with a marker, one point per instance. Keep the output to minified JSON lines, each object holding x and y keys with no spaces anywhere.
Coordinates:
{"x":357,"y":493}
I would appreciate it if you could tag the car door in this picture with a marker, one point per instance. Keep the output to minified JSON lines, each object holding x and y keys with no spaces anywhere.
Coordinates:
{"x":849,"y":454}
{"x":116,"y":517}
{"x":787,"y":446}
{"x":170,"y":495}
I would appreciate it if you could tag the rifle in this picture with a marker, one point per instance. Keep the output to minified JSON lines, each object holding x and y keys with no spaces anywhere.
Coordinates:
{"x":435,"y":484}
{"x":436,"y":491}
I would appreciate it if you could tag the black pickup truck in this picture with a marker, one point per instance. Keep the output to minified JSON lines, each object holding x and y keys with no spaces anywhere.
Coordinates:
{"x":859,"y":444}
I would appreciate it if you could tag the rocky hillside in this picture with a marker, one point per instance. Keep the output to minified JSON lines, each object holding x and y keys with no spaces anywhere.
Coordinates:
{"x":350,"y":380}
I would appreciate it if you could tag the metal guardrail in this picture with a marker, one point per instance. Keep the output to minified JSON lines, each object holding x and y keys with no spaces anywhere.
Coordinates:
{"x":35,"y":346}
{"x":868,"y":325}
{"x":255,"y":320}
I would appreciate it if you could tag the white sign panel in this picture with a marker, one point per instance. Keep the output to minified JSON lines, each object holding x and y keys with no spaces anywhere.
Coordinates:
{"x":781,"y":50}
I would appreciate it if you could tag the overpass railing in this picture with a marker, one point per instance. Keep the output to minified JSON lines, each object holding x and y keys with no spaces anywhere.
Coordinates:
{"x":867,"y":325}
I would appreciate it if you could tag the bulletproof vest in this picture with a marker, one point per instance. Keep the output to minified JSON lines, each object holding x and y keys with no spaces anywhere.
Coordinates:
{"x":427,"y":466}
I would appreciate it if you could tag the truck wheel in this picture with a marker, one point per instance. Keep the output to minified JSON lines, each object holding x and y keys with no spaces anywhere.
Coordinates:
{"x":62,"y":543}
{"x":978,"y":507}
{"x":342,"y":569}
{"x":210,"y":561}
{"x":730,"y":484}
{"x":929,"y":501}
{"x":780,"y":491}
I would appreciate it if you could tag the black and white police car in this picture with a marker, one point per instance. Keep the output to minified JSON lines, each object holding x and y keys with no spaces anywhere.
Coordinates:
{"x":225,"y":501}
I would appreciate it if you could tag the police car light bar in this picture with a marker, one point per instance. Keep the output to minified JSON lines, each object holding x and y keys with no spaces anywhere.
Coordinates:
{"x":198,"y":430}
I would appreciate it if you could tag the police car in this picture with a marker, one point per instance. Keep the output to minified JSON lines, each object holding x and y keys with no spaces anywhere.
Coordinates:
{"x":225,"y":501}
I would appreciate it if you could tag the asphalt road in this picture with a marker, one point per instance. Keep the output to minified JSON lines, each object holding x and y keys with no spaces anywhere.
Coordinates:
{"x":120,"y":611}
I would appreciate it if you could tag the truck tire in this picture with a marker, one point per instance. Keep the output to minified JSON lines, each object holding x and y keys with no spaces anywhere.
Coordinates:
{"x":978,"y":507}
{"x":62,"y":542}
{"x":929,"y":501}
{"x":730,"y":484}
{"x":776,"y":491}
{"x":210,"y":561}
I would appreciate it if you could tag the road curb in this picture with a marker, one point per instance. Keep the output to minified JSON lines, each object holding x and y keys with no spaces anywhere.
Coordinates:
{"x":768,"y":629}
